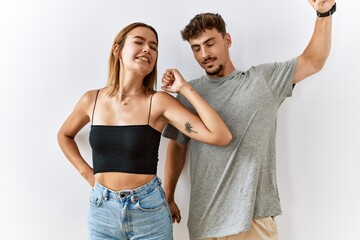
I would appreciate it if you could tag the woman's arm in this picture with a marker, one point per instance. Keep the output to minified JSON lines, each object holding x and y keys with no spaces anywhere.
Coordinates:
{"x":207,"y":126}
{"x":66,"y":136}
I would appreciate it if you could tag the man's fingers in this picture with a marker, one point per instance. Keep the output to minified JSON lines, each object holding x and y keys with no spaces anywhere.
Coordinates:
{"x":176,"y":218}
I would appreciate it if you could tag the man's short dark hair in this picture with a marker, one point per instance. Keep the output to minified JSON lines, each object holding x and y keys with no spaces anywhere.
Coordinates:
{"x":201,"y":22}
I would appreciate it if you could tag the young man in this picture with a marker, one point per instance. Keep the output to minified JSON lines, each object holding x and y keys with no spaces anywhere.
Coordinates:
{"x":234,"y":192}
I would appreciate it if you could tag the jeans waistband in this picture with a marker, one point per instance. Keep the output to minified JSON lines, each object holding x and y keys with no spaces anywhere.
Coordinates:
{"x":108,"y":194}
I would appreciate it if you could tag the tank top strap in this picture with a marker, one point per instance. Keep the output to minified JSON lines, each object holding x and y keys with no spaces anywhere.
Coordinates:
{"x":92,"y":116}
{"x":150,"y":108}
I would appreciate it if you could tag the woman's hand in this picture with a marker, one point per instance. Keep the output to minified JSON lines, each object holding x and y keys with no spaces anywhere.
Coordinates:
{"x":173,"y":81}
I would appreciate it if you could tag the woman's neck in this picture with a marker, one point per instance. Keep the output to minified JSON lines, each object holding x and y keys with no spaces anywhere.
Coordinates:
{"x":130,"y":83}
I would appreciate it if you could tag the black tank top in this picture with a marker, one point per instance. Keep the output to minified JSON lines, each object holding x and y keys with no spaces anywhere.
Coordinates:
{"x":127,"y":148}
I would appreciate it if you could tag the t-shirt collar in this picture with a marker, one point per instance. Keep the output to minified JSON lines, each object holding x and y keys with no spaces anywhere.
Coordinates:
{"x":220,"y":79}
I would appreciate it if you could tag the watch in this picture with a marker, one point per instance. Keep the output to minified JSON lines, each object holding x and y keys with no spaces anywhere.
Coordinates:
{"x":328,"y":13}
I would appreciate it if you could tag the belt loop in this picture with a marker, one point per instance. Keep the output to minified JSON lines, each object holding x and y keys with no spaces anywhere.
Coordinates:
{"x":105,"y":195}
{"x":159,"y":180}
{"x":135,"y":199}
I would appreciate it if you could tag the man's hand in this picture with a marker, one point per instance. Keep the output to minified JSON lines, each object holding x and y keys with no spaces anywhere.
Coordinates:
{"x":322,"y":6}
{"x":175,"y":212}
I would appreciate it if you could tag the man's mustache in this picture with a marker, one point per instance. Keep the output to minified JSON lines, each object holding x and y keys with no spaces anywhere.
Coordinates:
{"x":208,"y":59}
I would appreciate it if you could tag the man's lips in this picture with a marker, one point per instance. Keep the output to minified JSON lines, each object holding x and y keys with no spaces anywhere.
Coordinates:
{"x":208,"y":60}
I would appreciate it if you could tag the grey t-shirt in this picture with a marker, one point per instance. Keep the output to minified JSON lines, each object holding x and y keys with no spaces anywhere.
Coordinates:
{"x":233,"y":184}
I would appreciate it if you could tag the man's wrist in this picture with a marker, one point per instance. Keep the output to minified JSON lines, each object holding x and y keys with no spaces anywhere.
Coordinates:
{"x":169,"y":198}
{"x":169,"y":194}
{"x":328,"y":13}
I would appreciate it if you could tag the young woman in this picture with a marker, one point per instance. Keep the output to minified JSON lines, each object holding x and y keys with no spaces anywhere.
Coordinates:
{"x":127,"y":117}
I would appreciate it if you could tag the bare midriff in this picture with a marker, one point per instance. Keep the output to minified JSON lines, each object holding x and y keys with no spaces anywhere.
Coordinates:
{"x":118,"y":181}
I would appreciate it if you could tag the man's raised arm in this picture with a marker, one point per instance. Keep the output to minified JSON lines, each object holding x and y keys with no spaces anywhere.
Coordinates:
{"x":316,"y":53}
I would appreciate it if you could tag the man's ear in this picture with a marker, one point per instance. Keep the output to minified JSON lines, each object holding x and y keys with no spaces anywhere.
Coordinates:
{"x":227,"y":38}
{"x":116,"y":50}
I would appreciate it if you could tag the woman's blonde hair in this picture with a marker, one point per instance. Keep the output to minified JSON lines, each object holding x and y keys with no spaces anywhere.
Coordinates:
{"x":149,"y":82}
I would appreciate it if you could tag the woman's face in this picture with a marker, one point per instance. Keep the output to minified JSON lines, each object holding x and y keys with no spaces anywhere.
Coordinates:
{"x":139,"y":52}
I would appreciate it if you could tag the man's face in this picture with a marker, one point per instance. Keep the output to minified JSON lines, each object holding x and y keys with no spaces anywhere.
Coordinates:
{"x":211,"y":51}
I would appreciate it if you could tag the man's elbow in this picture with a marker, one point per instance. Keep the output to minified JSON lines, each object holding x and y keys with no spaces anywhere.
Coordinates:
{"x":318,"y":65}
{"x":313,"y":67}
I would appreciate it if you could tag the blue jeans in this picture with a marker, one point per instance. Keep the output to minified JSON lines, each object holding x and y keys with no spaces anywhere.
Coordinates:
{"x":140,"y":213}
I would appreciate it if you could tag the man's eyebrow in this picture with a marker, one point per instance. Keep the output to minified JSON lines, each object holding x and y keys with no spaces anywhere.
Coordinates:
{"x":205,"y":42}
{"x":208,"y":40}
{"x":142,"y":38}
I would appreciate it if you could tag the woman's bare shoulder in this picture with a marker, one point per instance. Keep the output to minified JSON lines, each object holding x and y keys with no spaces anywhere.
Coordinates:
{"x":90,"y":95}
{"x":163,"y":101}
{"x":88,"y":99}
{"x":163,"y":95}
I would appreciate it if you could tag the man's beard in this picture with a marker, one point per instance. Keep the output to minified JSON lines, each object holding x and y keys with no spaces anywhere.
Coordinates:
{"x":216,"y":71}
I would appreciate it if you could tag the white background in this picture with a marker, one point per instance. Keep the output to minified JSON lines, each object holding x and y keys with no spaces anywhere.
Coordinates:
{"x":51,"y":52}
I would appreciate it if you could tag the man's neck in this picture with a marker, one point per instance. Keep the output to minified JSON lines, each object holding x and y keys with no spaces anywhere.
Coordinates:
{"x":225,"y":72}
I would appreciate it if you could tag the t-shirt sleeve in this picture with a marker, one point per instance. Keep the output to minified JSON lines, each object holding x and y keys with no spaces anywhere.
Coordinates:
{"x":173,"y":133}
{"x":279,"y":78}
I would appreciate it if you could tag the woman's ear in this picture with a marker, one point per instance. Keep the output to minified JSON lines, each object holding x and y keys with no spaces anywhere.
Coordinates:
{"x":116,"y":50}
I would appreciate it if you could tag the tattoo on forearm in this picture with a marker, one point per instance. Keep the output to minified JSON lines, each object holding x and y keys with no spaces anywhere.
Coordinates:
{"x":188,"y":128}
